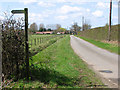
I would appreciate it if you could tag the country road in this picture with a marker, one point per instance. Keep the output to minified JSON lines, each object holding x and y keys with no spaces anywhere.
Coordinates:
{"x":103,"y":62}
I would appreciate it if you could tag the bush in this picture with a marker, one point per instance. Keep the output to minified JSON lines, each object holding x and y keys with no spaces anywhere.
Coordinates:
{"x":13,"y":52}
{"x":13,"y":49}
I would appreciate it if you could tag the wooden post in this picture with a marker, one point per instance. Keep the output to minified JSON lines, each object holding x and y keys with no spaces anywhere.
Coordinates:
{"x":31,"y":43}
{"x":26,"y":43}
{"x":25,"y":11}
{"x":118,"y":41}
{"x":35,"y":41}
{"x":109,"y":31}
{"x":83,"y":23}
{"x":1,"y":55}
{"x":40,"y":40}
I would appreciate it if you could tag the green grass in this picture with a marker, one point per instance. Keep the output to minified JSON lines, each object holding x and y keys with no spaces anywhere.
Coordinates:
{"x":107,"y":46}
{"x":58,"y":67}
{"x":39,"y":42}
{"x":101,"y":33}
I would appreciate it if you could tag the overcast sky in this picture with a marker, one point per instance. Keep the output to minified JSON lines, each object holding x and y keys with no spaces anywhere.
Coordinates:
{"x":64,"y":12}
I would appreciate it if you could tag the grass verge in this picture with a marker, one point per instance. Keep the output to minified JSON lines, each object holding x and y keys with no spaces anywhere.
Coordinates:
{"x":37,"y":48}
{"x":58,"y":67}
{"x":110,"y":47}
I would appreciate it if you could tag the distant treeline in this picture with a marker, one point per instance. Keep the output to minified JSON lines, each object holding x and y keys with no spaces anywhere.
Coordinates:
{"x":101,"y":33}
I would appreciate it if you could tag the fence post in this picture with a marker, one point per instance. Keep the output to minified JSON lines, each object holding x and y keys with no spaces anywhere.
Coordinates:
{"x":35,"y":41}
{"x":31,"y":44}
{"x":40,"y":40}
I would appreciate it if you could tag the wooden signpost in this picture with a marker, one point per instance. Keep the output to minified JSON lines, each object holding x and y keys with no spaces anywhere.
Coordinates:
{"x":25,"y":12}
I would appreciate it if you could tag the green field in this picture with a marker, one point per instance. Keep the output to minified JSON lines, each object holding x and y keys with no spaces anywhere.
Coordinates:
{"x":58,"y":66}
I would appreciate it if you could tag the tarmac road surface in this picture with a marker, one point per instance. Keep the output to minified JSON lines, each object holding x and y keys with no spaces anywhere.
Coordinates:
{"x":103,"y":62}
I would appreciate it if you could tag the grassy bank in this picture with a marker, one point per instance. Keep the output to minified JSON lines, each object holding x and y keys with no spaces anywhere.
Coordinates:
{"x":100,"y":33}
{"x":39,"y":42}
{"x":58,"y":67}
{"x":110,"y":47}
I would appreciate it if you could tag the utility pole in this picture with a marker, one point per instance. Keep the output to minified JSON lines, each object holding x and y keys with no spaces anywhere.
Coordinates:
{"x":110,"y":15}
{"x":1,"y":29}
{"x":119,"y":23}
{"x":83,"y":23}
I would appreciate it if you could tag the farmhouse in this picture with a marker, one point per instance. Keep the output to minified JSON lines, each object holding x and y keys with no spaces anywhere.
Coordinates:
{"x":39,"y":32}
{"x":60,"y":32}
{"x":47,"y":32}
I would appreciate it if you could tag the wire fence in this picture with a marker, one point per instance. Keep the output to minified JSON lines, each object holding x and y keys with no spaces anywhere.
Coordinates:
{"x":39,"y":42}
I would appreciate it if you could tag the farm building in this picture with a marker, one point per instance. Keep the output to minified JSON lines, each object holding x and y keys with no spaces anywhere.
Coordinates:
{"x":60,"y":32}
{"x":47,"y":32}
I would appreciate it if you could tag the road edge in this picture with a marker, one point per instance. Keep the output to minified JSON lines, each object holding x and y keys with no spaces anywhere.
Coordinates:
{"x":106,"y":81}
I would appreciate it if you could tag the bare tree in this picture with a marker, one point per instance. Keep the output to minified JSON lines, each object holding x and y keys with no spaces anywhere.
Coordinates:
{"x":86,"y":25}
{"x":33,"y":28}
{"x":58,"y":26}
{"x":76,"y":27}
{"x":51,"y":26}
{"x":41,"y":27}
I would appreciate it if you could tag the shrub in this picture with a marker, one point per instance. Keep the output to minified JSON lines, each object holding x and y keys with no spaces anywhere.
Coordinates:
{"x":13,"y":52}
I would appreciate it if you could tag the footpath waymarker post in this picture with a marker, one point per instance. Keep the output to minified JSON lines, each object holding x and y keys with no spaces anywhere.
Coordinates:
{"x":25,"y":12}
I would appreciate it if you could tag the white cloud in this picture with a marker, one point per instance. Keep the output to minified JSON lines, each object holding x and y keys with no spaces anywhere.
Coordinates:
{"x":76,"y":1}
{"x":115,"y":17}
{"x":115,"y":6}
{"x":74,"y":15}
{"x":106,"y":5}
{"x":88,"y":10}
{"x":27,"y":1}
{"x":1,"y":14}
{"x":33,"y":17}
{"x":61,"y":0}
{"x":46,"y":4}
{"x":98,"y":13}
{"x":62,"y":17}
{"x":1,"y":17}
{"x":68,"y":9}
{"x":102,"y":5}
{"x":48,"y":12}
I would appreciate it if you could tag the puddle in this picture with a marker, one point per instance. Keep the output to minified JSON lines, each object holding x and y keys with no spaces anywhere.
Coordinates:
{"x":105,"y":71}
